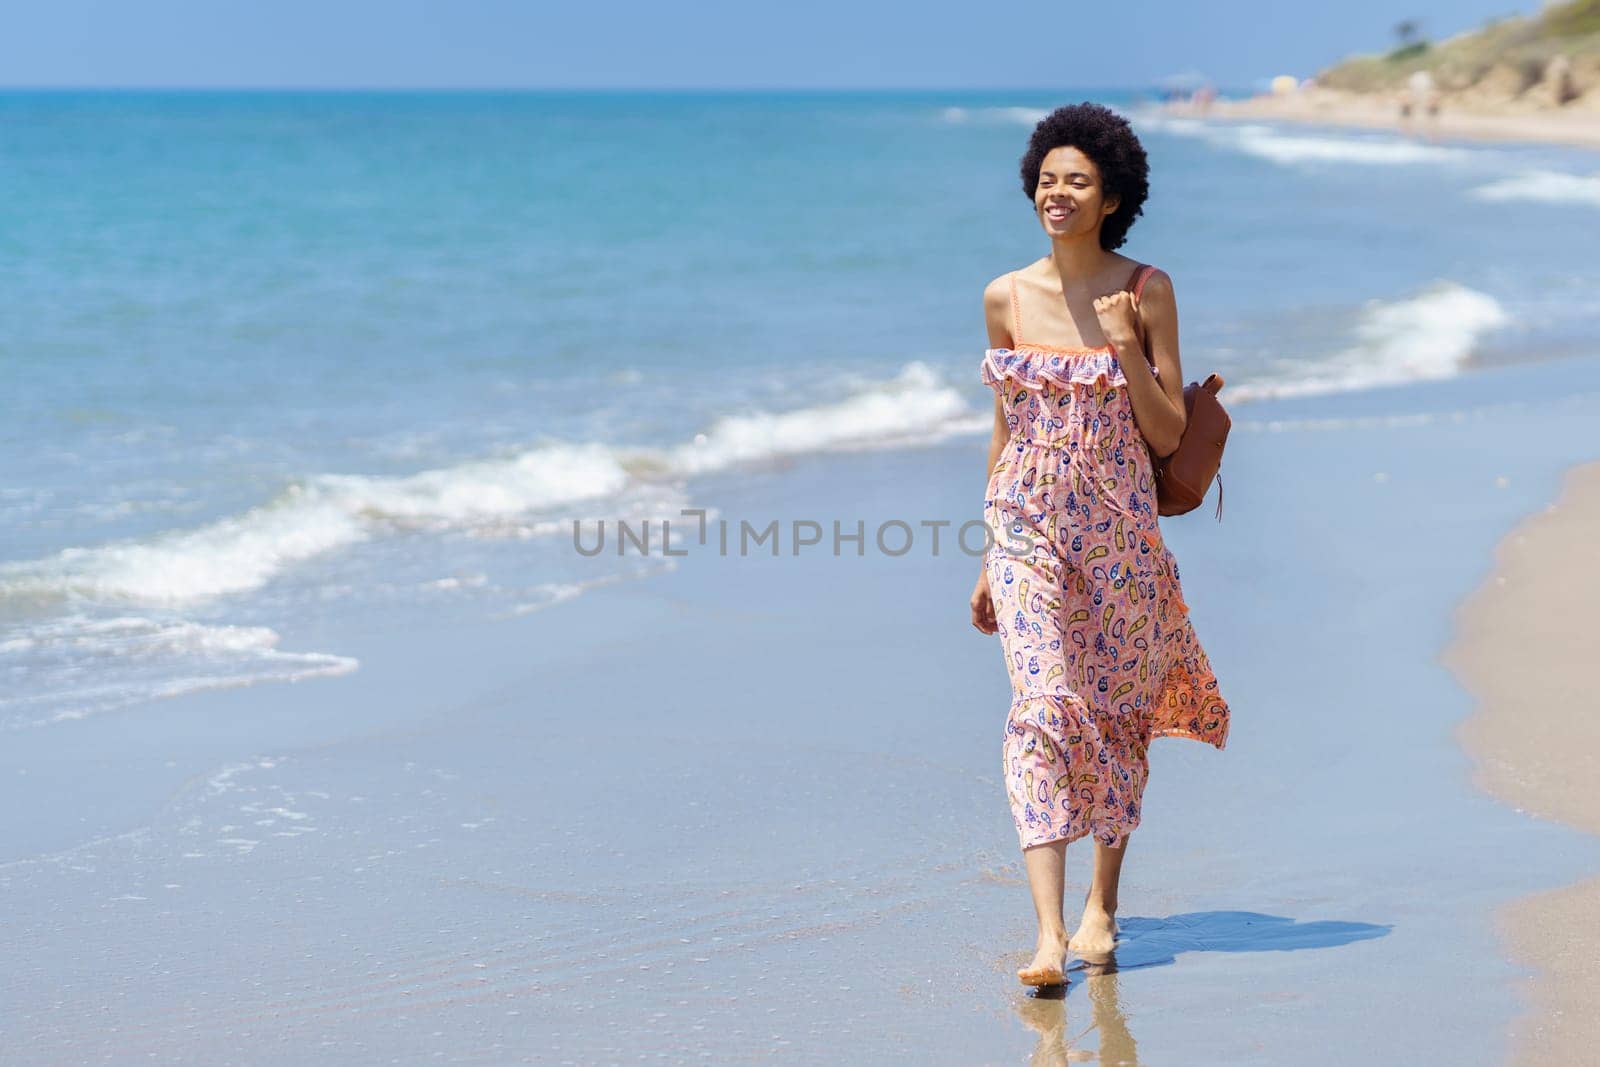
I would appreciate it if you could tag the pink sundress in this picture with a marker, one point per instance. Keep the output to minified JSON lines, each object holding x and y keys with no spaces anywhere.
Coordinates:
{"x":1097,"y":638}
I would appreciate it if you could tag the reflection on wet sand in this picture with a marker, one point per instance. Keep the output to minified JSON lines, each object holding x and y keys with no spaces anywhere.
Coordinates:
{"x":1045,"y":1012}
{"x":1143,"y":942}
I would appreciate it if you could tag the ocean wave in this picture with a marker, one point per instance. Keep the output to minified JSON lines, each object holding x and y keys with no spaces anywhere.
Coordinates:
{"x":916,"y":405}
{"x":79,"y":665}
{"x":1429,"y":336}
{"x":1289,"y":149}
{"x":240,"y":553}
{"x":1544,"y":186}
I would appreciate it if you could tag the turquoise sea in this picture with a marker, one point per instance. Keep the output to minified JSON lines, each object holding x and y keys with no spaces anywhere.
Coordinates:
{"x":277,"y":357}
{"x":319,"y":743}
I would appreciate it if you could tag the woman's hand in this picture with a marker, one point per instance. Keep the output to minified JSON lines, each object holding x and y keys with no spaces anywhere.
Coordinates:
{"x":983,"y":605}
{"x":1118,"y":317}
{"x":1149,"y":358}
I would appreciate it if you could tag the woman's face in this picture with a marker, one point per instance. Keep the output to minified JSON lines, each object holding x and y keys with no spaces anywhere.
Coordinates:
{"x":1070,"y":200}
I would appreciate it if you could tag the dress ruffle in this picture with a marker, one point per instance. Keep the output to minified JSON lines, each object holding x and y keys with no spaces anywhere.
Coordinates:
{"x":1032,"y":367}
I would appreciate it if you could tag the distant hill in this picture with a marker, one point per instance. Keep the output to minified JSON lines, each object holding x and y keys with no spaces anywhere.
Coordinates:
{"x":1508,"y":61}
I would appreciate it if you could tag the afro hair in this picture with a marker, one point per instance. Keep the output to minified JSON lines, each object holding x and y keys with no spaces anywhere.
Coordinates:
{"x":1106,"y":138}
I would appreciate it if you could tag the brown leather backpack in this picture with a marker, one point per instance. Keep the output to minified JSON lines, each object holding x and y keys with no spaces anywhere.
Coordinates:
{"x":1183,"y":478}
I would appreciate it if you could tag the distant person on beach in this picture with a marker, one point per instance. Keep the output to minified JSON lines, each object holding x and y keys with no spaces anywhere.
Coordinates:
{"x":1078,"y":582}
{"x":1421,"y":97}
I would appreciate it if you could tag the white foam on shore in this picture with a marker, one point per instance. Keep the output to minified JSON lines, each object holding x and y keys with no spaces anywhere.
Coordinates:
{"x":916,"y":405}
{"x":240,"y":553}
{"x":78,"y":665}
{"x":1290,"y":149}
{"x":1544,"y":186}
{"x":78,"y":659}
{"x":1428,"y":336}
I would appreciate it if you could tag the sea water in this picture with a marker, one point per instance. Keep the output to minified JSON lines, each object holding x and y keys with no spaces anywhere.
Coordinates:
{"x":281,"y":358}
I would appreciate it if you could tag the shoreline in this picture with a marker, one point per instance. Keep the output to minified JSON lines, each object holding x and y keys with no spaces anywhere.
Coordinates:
{"x":824,"y":773}
{"x":1331,"y":107}
{"x":1520,"y":650}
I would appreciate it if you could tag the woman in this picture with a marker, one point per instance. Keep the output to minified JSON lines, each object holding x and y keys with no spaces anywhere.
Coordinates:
{"x":1078,"y":582}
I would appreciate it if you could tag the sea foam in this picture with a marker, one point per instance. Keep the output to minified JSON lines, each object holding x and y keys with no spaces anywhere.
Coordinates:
{"x":1266,"y":142}
{"x":78,"y":665}
{"x":1544,"y":186}
{"x":1428,"y":336}
{"x":242,"y":552}
{"x":915,"y":405}
{"x":1290,"y":149}
{"x":320,"y":514}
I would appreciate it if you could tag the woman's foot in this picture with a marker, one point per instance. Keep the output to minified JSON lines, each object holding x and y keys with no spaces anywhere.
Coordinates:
{"x":1045,"y":969}
{"x":1096,"y":934}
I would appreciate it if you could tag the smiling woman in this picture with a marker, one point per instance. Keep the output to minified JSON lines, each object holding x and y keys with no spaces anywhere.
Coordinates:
{"x":1092,"y":621}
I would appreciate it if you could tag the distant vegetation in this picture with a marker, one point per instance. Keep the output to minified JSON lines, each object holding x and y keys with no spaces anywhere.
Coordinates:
{"x":1411,"y":43}
{"x":1505,"y":57}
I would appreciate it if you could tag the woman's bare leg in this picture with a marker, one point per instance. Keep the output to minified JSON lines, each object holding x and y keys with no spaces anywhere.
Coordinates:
{"x":1097,"y":932}
{"x":1047,"y":868}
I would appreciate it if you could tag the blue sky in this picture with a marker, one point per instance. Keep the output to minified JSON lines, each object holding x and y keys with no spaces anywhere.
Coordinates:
{"x":655,"y":44}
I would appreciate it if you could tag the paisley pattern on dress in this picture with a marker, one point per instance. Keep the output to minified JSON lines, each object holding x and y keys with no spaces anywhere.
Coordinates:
{"x":1097,"y":639}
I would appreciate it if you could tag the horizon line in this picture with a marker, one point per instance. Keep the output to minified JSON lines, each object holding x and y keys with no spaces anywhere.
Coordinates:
{"x":729,"y":89}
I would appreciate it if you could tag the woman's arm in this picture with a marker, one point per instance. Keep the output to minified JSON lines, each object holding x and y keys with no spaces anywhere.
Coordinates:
{"x":996,"y":303}
{"x":996,"y":318}
{"x":998,"y":436}
{"x":1157,"y":401}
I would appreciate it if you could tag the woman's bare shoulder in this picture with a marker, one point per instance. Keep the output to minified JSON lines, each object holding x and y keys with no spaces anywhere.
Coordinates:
{"x":1157,"y":284}
{"x":997,"y":294}
{"x":997,"y":311}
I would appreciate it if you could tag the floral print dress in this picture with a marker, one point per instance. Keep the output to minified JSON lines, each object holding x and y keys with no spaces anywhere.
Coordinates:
{"x":1097,"y":639}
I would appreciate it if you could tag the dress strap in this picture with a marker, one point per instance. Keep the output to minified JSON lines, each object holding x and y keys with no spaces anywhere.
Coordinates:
{"x":1016,"y":313}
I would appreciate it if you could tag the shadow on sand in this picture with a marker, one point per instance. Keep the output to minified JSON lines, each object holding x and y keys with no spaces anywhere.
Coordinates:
{"x":1154,"y":943}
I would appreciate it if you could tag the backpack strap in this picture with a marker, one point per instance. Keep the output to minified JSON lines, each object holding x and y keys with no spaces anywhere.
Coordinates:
{"x":1141,"y":274}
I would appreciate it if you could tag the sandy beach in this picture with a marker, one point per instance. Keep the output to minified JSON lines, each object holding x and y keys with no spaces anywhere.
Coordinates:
{"x":324,"y":743}
{"x":529,"y":845}
{"x":1578,"y":126}
{"x":1524,"y":648}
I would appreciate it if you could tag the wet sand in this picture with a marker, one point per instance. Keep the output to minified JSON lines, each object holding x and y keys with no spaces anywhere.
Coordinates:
{"x":1569,"y":126}
{"x":751,"y":807}
{"x":1526,"y":649}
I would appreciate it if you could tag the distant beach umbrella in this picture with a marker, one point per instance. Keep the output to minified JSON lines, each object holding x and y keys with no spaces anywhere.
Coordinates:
{"x":1285,"y":83}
